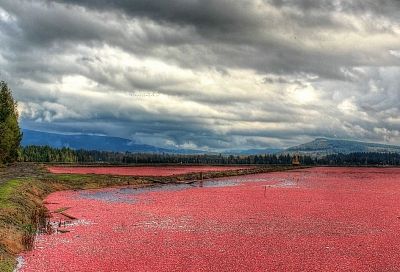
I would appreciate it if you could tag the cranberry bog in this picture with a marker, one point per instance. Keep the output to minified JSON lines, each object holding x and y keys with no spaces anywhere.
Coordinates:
{"x":316,"y":219}
{"x":155,"y":171}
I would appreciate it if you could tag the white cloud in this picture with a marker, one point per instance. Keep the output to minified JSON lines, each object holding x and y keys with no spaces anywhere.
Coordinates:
{"x":395,"y":53}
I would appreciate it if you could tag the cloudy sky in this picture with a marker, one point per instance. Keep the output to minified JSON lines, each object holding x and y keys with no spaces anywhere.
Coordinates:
{"x":206,"y":74}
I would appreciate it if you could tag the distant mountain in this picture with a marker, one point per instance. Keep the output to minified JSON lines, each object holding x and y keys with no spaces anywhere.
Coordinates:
{"x":94,"y":142}
{"x":324,"y":146}
{"x":253,"y":151}
{"x":319,"y":147}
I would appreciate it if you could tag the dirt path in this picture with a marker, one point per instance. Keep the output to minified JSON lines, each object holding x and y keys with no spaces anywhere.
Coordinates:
{"x":20,"y":170}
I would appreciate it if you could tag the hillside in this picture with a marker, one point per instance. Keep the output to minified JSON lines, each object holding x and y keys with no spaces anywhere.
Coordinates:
{"x":324,"y":146}
{"x":93,"y":142}
{"x":252,"y":151}
{"x":318,"y":147}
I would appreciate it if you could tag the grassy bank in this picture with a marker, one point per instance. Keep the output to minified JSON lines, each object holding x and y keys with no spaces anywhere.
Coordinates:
{"x":22,"y":209}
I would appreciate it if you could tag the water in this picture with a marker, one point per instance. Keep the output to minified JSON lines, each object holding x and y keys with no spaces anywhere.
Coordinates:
{"x":131,"y":195}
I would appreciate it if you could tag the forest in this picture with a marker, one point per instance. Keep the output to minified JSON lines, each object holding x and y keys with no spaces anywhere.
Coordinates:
{"x":67,"y":155}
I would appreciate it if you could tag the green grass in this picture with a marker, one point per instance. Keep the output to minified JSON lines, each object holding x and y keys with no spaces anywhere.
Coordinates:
{"x":7,"y":190}
{"x":7,"y":265}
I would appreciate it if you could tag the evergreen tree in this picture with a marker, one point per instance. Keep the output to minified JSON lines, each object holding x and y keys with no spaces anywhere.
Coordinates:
{"x":10,"y":133}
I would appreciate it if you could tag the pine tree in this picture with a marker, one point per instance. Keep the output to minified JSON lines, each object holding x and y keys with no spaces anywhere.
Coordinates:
{"x":10,"y":133}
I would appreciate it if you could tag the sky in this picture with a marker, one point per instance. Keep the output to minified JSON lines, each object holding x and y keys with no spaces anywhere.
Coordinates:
{"x":206,"y":74}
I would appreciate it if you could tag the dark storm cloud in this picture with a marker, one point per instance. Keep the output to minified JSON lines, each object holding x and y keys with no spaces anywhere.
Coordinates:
{"x":224,"y":34}
{"x":232,"y":37}
{"x":210,"y":73}
{"x":236,"y":38}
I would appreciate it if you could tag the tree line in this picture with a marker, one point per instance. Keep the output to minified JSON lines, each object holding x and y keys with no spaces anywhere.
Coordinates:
{"x":361,"y":158}
{"x":67,"y":155}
